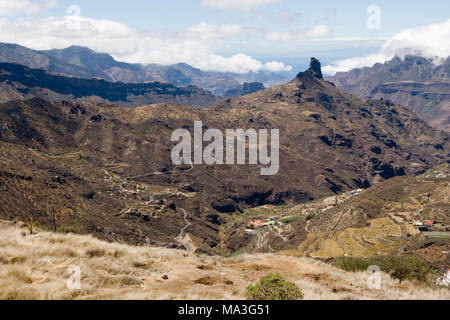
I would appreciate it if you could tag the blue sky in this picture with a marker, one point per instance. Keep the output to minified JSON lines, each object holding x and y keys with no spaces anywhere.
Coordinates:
{"x":347,"y":18}
{"x":215,"y":30}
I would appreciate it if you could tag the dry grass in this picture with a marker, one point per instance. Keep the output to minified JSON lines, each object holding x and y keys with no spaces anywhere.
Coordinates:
{"x":36,"y":267}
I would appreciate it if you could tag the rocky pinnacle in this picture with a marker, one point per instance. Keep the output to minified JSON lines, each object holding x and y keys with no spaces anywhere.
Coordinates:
{"x":315,"y":70}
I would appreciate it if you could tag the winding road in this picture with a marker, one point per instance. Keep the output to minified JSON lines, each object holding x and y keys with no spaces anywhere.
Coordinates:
{"x":157,"y":173}
{"x":179,"y":238}
{"x":307,"y":226}
{"x":260,"y":238}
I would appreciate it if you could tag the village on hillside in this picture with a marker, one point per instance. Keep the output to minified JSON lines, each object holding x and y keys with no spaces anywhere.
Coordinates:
{"x":287,"y":217}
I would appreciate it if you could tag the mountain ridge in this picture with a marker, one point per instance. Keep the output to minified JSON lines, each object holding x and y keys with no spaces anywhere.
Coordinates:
{"x":18,"y":82}
{"x":86,"y":63}
{"x":407,"y":82}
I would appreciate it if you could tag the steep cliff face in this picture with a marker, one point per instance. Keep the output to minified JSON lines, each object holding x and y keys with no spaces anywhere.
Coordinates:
{"x":430,"y":100}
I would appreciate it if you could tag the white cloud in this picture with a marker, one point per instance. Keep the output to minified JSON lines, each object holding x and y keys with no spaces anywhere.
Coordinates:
{"x":316,"y":32}
{"x":195,"y":46}
{"x":15,"y":7}
{"x":277,"y":66}
{"x":239,"y":63}
{"x":431,"y":41}
{"x":237,"y":4}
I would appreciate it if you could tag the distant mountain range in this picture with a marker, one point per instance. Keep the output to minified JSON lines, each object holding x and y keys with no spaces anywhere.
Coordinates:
{"x":415,"y":82}
{"x":18,"y":82}
{"x":85,"y":63}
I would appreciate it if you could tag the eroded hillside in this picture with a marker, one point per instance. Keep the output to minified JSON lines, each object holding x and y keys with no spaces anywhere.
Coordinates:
{"x":107,"y":171}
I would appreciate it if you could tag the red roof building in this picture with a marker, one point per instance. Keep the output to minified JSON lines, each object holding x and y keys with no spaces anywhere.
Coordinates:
{"x":257,"y":223}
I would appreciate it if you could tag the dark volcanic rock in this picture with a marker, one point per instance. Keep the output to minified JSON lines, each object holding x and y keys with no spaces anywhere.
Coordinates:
{"x":315,"y":69}
{"x":244,"y":89}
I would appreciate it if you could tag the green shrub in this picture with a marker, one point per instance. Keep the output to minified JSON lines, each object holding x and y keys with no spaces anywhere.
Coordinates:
{"x":351,"y":264}
{"x":274,"y":287}
{"x":290,"y":220}
{"x":401,"y":268}
{"x":66,"y":230}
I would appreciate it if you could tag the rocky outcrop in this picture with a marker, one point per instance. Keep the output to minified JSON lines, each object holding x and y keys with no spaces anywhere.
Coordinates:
{"x":246,"y":88}
{"x":315,"y":69}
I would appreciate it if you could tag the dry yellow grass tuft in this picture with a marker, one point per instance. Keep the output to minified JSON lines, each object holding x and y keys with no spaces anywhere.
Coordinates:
{"x":37,"y":267}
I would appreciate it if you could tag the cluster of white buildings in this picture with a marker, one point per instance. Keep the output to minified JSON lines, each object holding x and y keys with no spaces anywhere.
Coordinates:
{"x":258,"y":223}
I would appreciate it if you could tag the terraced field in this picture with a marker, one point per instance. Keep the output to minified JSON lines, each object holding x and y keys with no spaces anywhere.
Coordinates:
{"x":382,"y":236}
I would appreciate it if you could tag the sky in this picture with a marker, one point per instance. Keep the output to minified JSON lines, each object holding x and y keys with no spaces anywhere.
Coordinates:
{"x":234,"y":35}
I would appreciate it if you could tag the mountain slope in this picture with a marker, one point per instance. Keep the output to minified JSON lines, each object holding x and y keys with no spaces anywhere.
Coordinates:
{"x":13,"y":53}
{"x":20,"y":82}
{"x":331,"y":142}
{"x":414,"y":82}
{"x":98,"y":64}
{"x":428,"y":99}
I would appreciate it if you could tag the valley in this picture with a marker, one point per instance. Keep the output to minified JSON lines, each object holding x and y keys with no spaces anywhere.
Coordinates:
{"x":342,"y":191}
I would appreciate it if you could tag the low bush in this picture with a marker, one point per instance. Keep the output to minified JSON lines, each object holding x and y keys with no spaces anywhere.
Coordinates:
{"x":67,"y":230}
{"x":274,"y":287}
{"x":401,"y":268}
{"x":290,"y":220}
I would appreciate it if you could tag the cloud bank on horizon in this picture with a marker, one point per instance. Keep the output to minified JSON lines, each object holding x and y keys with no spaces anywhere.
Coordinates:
{"x":430,"y":41}
{"x":194,"y":46}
